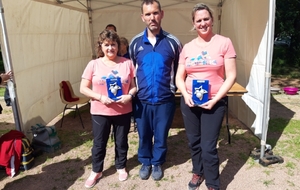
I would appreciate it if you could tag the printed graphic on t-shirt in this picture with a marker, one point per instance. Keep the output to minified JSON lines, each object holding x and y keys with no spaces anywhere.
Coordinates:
{"x":113,"y":75}
{"x":202,"y":59}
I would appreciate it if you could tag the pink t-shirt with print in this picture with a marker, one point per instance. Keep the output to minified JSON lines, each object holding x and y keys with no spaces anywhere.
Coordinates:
{"x":207,"y":63}
{"x":97,"y":72}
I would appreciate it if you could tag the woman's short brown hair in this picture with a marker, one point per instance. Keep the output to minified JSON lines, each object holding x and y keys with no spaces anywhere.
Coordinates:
{"x":106,"y":35}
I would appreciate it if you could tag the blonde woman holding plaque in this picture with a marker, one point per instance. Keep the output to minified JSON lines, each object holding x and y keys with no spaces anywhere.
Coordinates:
{"x":209,"y":57}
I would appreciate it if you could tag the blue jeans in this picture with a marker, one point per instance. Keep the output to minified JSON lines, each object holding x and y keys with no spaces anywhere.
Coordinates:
{"x":153,"y":121}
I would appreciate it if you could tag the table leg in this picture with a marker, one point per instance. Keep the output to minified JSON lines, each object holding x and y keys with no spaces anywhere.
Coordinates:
{"x":227,"y":126}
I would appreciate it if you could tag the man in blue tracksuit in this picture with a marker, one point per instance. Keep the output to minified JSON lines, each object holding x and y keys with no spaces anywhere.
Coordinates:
{"x":155,"y":54}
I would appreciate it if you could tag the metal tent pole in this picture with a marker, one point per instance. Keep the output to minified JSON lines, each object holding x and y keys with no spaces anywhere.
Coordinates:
{"x":267,"y":159}
{"x":8,"y":67}
{"x":90,"y":15}
{"x":268,"y":67}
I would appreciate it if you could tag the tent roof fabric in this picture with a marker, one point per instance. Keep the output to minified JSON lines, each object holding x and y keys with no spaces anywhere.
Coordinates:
{"x":125,"y":5}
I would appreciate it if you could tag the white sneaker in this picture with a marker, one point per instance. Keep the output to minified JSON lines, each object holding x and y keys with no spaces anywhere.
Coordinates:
{"x":123,"y":175}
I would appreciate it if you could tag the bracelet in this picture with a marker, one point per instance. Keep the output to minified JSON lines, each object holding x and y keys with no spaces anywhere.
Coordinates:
{"x":132,"y":96}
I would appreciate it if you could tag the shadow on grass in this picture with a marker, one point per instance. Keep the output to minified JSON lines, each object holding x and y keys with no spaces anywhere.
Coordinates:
{"x":235,"y":155}
{"x":232,"y":156}
{"x":279,"y":120}
{"x":59,"y":175}
{"x":71,"y":135}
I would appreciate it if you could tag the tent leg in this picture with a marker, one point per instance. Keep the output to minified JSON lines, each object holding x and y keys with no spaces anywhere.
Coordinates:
{"x":268,"y":158}
{"x":265,"y":155}
{"x":5,"y":50}
{"x":264,"y":159}
{"x":16,"y":115}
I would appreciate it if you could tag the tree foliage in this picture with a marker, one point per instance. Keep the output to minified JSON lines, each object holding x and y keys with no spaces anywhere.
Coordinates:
{"x":287,"y":23}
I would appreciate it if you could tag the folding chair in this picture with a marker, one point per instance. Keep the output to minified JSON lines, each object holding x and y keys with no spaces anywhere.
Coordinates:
{"x":68,"y":97}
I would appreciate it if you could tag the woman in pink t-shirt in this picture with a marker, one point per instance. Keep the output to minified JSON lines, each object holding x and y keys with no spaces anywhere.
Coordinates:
{"x":207,"y":58}
{"x":109,"y":82}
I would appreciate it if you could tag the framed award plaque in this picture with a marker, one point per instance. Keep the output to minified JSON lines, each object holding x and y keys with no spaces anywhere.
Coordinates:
{"x":114,"y":88}
{"x":200,"y":91}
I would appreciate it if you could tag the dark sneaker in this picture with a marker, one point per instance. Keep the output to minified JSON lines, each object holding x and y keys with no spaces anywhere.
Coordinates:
{"x":195,"y":182}
{"x":145,"y":172}
{"x":210,"y":188}
{"x":157,"y":173}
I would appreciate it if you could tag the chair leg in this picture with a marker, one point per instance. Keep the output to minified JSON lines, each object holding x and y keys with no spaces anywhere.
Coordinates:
{"x":79,"y":116}
{"x":75,"y":112}
{"x":63,"y":115}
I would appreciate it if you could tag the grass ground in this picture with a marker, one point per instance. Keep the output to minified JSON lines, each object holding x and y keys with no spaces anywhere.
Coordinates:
{"x":2,"y":90}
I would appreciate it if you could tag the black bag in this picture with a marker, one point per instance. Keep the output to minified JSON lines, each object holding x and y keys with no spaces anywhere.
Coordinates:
{"x":45,"y":138}
{"x":27,"y":160}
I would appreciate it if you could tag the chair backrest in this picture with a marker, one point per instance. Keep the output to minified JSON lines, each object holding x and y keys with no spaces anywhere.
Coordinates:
{"x":66,"y":92}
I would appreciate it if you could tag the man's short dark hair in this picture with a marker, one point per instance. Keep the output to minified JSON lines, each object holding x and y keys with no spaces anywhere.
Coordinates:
{"x":111,"y":25}
{"x":147,"y":2}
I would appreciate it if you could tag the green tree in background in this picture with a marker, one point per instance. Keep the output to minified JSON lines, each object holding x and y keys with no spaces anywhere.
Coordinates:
{"x":287,"y":23}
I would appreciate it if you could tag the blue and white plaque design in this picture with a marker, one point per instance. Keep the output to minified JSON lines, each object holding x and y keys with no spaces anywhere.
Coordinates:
{"x":200,"y":91}
{"x":114,"y":88}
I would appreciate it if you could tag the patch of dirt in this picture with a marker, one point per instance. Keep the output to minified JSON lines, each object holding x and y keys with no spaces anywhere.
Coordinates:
{"x":69,"y":167}
{"x":280,"y":82}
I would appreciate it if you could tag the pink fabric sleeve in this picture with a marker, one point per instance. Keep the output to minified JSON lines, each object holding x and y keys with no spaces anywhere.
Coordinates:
{"x":88,"y":71}
{"x":182,"y":56}
{"x":230,"y":53}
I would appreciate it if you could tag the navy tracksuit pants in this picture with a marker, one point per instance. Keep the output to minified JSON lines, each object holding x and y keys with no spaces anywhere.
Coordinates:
{"x":153,"y":125}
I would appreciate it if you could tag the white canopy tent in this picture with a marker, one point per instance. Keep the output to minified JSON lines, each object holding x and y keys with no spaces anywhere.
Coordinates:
{"x":53,"y":40}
